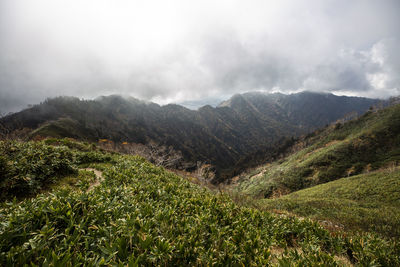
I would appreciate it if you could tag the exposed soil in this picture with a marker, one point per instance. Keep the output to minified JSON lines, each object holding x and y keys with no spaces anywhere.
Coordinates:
{"x":99,"y":178}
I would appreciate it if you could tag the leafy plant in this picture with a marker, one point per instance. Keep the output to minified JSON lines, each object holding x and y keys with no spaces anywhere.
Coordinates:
{"x":27,"y":167}
{"x":144,"y":215}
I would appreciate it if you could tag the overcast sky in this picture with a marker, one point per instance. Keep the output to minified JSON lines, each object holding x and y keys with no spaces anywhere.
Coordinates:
{"x":183,"y":50}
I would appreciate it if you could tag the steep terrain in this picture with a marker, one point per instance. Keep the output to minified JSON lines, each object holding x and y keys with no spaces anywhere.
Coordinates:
{"x":239,"y":133}
{"x":140,"y":214}
{"x":350,"y":172}
{"x":361,"y":145}
{"x":306,"y":110}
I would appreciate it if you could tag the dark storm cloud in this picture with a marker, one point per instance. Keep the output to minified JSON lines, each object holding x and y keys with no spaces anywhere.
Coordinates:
{"x":187,"y":50}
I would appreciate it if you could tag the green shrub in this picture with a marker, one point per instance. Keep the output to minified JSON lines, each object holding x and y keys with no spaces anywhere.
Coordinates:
{"x":70,"y":143}
{"x":91,"y":157}
{"x":295,"y":179}
{"x":25,"y":168}
{"x":29,"y":166}
{"x":4,"y":168}
{"x":142,"y":215}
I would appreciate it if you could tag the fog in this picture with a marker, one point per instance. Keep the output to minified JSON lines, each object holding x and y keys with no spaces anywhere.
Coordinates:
{"x":187,"y":51}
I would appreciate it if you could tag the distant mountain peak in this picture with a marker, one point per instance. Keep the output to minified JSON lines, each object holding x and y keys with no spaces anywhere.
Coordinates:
{"x":236,"y":98}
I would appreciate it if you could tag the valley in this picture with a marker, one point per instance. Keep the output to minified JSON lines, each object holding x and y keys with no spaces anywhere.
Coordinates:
{"x":241,"y":132}
{"x":199,"y":133}
{"x":140,"y":214}
{"x":345,"y":174}
{"x":328,"y":197}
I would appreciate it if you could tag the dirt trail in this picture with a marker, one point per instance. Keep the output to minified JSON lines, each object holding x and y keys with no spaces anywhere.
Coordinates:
{"x":99,"y":178}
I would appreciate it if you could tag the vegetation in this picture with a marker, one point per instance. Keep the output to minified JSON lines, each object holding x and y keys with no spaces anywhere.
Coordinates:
{"x":62,"y":127}
{"x":144,"y":215}
{"x":28,"y":167}
{"x":366,"y":202}
{"x":349,"y":171}
{"x":238,"y":134}
{"x":341,"y":150}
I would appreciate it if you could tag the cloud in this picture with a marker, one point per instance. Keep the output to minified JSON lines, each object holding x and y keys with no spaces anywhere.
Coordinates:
{"x":386,"y":77}
{"x":173,"y":51}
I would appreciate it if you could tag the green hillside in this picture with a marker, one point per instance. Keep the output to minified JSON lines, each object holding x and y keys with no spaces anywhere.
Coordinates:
{"x":63,"y":127}
{"x":139,"y":214}
{"x":341,"y":150}
{"x":366,"y":202}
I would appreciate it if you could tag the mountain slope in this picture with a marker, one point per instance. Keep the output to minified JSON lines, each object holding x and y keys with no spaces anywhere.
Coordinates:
{"x":305,"y":110}
{"x":144,"y":215}
{"x":340,"y":150}
{"x":238,"y":131}
{"x":367,"y":202}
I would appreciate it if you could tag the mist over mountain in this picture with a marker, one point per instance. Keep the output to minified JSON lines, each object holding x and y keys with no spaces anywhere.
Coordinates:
{"x":196,"y":104}
{"x":305,"y":110}
{"x":199,"y":133}
{"x":191,"y":50}
{"x":241,"y":129}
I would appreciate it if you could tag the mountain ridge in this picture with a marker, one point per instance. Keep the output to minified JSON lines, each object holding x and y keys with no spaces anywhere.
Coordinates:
{"x":222,"y":136}
{"x":340,"y":150}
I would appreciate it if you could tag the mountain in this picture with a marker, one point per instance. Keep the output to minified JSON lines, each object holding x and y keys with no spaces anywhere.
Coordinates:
{"x":196,"y":104}
{"x":345,"y":175}
{"x":238,"y":133}
{"x":306,"y":110}
{"x":368,"y":144}
{"x":339,"y":150}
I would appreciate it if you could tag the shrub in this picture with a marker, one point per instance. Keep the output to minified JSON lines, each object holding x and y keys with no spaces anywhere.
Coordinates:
{"x":4,"y":168}
{"x":27,"y":167}
{"x":295,"y":179}
{"x":142,"y":215}
{"x":91,"y":157}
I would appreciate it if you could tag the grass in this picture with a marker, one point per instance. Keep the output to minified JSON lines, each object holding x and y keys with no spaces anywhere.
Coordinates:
{"x":343,"y":176}
{"x":63,"y":127}
{"x":144,"y":215}
{"x":368,"y":143}
{"x":366,"y":202}
{"x":80,"y":181}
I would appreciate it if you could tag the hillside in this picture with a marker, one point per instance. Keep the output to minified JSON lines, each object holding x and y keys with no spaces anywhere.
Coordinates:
{"x":366,"y":202}
{"x":241,"y":132}
{"x":140,"y":214}
{"x":305,"y":110}
{"x":358,"y":146}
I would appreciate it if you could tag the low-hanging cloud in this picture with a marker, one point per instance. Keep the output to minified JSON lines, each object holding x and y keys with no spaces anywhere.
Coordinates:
{"x":173,"y":51}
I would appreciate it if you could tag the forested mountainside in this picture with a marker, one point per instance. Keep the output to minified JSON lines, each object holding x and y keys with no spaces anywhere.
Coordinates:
{"x":305,"y":110}
{"x":241,"y":131}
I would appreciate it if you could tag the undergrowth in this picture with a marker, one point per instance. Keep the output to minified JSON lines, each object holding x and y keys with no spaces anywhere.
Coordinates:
{"x":144,"y":215}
